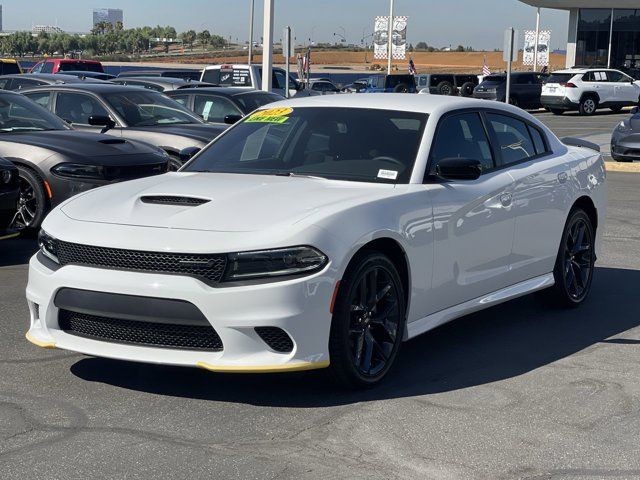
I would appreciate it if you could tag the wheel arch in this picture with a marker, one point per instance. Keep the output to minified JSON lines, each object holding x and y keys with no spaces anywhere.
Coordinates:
{"x":586,"y":203}
{"x":590,"y":94}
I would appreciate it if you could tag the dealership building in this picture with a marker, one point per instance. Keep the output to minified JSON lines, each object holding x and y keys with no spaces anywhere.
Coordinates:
{"x":601,"y":32}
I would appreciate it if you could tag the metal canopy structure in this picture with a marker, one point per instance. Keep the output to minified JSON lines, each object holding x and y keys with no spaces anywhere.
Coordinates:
{"x":569,"y":4}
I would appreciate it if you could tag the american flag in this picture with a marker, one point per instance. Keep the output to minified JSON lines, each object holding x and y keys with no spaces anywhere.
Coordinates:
{"x":485,"y":68}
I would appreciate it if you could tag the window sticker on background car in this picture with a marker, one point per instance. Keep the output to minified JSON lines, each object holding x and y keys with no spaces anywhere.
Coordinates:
{"x":271,"y":115}
{"x":387,"y":174}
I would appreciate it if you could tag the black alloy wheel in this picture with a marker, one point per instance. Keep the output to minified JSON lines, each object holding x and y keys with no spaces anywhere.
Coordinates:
{"x":32,"y":202}
{"x":368,"y":322}
{"x":574,"y":267}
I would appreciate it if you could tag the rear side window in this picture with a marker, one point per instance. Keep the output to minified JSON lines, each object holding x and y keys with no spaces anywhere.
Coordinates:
{"x":181,"y":99}
{"x":514,"y":140}
{"x":462,"y":136}
{"x":538,"y":140}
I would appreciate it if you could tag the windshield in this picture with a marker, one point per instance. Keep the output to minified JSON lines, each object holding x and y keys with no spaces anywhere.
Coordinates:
{"x":145,"y":108}
{"x":19,"y":114}
{"x":252,"y":101}
{"x":355,"y":144}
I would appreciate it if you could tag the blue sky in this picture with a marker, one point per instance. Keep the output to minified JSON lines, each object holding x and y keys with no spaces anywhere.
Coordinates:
{"x":477,"y":23}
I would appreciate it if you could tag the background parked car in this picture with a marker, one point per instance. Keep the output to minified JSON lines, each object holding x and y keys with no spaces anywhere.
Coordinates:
{"x":87,"y":74}
{"x":133,"y":113}
{"x":222,"y":104}
{"x":391,"y":83}
{"x":160,"y":84}
{"x":55,"y":162}
{"x":55,"y":65}
{"x":187,"y":74}
{"x":9,"y":194}
{"x":355,"y":87}
{"x":20,"y":82}
{"x":625,"y":141}
{"x":447,"y":83}
{"x":526,"y":88}
{"x":9,"y":66}
{"x":588,"y":89}
{"x":323,"y":86}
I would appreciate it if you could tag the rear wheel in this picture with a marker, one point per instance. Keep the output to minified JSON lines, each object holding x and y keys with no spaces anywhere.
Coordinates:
{"x":445,"y":88}
{"x":467,"y":89}
{"x":573,"y":272}
{"x":32,"y":203}
{"x":401,"y":88}
{"x":368,"y":321}
{"x":588,"y":106}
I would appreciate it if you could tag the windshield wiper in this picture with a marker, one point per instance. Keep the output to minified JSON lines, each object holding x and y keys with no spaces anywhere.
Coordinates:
{"x":299,"y":175}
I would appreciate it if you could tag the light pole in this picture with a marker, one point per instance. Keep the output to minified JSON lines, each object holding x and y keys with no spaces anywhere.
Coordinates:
{"x":535,"y":52}
{"x":267,"y":46}
{"x":251,"y":32}
{"x":390,"y":39}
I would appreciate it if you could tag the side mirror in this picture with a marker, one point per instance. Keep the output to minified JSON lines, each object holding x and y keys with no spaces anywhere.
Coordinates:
{"x":231,"y":119}
{"x":102,"y":121}
{"x":188,"y":153}
{"x":459,"y":169}
{"x":634,"y":110}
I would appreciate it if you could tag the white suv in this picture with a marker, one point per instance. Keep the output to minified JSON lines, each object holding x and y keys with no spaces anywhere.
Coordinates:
{"x":586,"y":90}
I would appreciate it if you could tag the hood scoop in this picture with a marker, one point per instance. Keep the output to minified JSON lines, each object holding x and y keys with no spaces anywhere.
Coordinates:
{"x":173,"y":200}
{"x":112,"y":141}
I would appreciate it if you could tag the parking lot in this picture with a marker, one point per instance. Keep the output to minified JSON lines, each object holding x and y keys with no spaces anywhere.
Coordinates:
{"x":516,"y":391}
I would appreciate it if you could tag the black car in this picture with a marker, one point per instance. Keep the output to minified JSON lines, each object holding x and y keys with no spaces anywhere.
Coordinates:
{"x":9,"y":194}
{"x":127,"y":112}
{"x":223,"y":104}
{"x":526,"y":88}
{"x":55,"y":162}
{"x":160,"y":84}
{"x":186,"y":74}
{"x":29,"y":80}
{"x":88,"y":74}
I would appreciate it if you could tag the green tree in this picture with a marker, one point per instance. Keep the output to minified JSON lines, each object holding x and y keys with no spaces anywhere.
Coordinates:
{"x":422,"y":46}
{"x":204,"y":37}
{"x":188,"y":38}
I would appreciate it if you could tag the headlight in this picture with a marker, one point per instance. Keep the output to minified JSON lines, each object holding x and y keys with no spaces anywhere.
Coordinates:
{"x":5,"y":176}
{"x":78,"y":170}
{"x":48,"y":246}
{"x":624,"y":127}
{"x":274,"y":263}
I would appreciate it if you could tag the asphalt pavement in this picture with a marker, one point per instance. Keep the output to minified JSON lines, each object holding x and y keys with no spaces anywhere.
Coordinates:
{"x":519,"y":391}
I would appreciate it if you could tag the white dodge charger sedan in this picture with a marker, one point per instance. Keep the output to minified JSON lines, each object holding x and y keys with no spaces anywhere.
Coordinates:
{"x":321,"y":233}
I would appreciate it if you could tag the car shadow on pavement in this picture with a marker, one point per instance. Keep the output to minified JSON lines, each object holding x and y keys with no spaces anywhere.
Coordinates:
{"x":499,"y":343}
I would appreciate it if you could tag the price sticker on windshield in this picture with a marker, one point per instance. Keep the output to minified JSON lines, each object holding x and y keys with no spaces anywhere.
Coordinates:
{"x":387,"y":174}
{"x":271,"y":115}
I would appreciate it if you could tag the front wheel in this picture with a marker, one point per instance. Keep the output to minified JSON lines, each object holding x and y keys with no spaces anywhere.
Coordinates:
{"x":573,"y":272}
{"x":32,"y":203}
{"x":368,"y":321}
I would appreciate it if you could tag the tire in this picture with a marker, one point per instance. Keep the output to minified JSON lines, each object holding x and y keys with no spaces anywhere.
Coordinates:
{"x":363,"y":346}
{"x":616,"y":109}
{"x":588,"y":106}
{"x":466,"y":90}
{"x":556,"y":111}
{"x":33,"y":204}
{"x":573,"y":271}
{"x":401,"y":88}
{"x":445,"y":88}
{"x":174,"y":163}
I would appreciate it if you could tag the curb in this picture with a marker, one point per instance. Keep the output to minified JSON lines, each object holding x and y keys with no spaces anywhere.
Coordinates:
{"x":622,"y":167}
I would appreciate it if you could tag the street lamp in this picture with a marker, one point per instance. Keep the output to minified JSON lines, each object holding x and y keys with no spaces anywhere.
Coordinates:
{"x":251,"y":32}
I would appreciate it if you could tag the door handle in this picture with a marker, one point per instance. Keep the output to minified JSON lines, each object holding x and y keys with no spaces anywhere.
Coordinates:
{"x":505,"y":199}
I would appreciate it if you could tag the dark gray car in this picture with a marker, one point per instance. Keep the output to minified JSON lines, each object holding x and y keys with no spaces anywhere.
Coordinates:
{"x":30,"y":80}
{"x":625,"y":141}
{"x":127,"y":112}
{"x":55,"y":162}
{"x":526,"y":88}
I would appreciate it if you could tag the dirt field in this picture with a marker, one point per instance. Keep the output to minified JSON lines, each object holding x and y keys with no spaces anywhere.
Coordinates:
{"x":464,"y":62}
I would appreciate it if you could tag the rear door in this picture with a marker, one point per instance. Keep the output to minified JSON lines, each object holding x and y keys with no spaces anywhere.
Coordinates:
{"x":473,"y":219}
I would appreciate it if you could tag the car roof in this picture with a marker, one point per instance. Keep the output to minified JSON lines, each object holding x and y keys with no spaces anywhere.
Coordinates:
{"x":222,"y":91}
{"x":97,"y":87}
{"x":55,"y":78}
{"x":577,"y":71}
{"x":158,"y":79}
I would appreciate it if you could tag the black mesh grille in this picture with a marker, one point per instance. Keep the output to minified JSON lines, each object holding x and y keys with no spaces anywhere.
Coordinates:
{"x":276,"y":338}
{"x":209,"y":268}
{"x":188,"y":337}
{"x":180,"y":201}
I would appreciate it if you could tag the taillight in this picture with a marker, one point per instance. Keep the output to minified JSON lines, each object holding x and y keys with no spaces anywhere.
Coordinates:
{"x":569,"y":85}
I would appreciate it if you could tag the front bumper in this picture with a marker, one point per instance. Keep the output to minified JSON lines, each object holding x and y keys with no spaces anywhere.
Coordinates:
{"x":625,"y":147}
{"x":559,"y":103}
{"x":298,"y":306}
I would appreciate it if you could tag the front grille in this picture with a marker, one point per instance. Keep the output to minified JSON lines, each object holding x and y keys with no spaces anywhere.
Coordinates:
{"x":163,"y":335}
{"x":276,"y":338}
{"x":207,"y":267}
{"x":169,"y":200}
{"x":130,"y":172}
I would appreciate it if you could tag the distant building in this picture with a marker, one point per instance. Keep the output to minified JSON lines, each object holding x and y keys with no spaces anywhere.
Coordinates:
{"x":36,"y":29}
{"x":109,"y":15}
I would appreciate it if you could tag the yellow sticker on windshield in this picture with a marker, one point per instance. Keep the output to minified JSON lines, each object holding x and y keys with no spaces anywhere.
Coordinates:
{"x":271,"y":115}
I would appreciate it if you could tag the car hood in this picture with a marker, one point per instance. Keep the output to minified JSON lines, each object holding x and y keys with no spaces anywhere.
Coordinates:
{"x":83,"y":145}
{"x":234,"y":202}
{"x":201,"y":132}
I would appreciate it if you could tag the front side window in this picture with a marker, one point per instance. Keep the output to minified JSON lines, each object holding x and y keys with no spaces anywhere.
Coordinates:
{"x":181,"y":99}
{"x":77,"y":107}
{"x":514,"y":140}
{"x":213,"y":108}
{"x":146,"y":108}
{"x":251,"y":101}
{"x":618,"y":77}
{"x":20,"y":83}
{"x":462,"y":136}
{"x":353,"y":144}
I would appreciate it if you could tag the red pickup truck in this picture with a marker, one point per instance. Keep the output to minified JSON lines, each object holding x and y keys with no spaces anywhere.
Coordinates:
{"x":57,"y":65}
